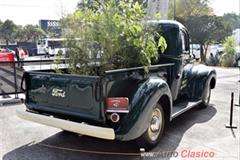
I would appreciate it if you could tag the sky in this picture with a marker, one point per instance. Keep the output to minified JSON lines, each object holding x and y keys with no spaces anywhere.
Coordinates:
{"x":224,"y":6}
{"x":24,"y":12}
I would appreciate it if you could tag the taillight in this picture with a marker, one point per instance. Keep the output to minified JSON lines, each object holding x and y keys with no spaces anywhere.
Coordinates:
{"x":117,"y":105}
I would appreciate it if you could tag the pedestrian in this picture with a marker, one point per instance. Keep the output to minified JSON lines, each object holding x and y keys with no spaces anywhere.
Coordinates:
{"x":17,"y":55}
{"x":47,"y":52}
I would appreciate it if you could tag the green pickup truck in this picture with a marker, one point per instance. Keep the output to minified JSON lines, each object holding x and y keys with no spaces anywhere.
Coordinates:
{"x":123,"y":104}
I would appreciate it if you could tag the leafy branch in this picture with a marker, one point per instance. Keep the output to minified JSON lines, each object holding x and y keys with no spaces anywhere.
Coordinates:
{"x":113,"y":34}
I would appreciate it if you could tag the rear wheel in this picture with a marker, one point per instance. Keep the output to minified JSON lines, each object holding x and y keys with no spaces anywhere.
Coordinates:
{"x":155,"y":129}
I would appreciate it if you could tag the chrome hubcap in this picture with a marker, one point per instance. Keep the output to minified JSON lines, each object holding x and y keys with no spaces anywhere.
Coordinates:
{"x":155,"y":125}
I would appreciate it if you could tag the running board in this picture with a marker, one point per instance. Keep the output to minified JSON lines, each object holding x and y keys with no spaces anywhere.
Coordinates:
{"x":182,"y":107}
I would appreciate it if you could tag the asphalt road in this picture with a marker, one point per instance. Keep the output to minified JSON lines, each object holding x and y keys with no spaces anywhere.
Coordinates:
{"x":197,"y":131}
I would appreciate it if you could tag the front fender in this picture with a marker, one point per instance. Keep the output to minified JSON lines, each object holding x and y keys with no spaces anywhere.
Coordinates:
{"x":195,"y":77}
{"x":145,"y":97}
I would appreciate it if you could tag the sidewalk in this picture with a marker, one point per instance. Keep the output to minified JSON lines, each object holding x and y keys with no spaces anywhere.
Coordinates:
{"x":11,"y":99}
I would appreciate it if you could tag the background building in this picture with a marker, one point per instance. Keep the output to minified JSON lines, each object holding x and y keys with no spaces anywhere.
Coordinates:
{"x":157,"y":6}
{"x":51,"y":27}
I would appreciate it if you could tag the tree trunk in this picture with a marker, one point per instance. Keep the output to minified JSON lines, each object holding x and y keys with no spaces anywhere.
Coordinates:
{"x":7,"y":43}
{"x":203,"y":57}
{"x":205,"y":51}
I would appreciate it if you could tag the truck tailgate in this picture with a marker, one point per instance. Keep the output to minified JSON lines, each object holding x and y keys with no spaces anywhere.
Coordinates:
{"x":68,"y":95}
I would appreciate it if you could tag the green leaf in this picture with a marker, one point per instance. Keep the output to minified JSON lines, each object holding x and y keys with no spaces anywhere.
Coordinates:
{"x":162,"y":44}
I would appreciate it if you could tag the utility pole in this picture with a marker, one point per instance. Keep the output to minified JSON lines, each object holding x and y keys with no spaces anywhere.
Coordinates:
{"x":174,"y":10}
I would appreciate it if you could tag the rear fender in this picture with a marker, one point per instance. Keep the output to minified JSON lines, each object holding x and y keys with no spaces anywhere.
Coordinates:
{"x":146,"y":96}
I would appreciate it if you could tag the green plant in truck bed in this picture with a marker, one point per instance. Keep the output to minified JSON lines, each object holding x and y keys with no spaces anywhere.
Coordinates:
{"x":113,"y":34}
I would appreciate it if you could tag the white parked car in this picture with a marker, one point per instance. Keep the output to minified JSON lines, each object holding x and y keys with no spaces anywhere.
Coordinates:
{"x":195,"y":50}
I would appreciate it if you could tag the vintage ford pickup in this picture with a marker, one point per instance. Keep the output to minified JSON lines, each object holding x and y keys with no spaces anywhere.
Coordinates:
{"x":123,"y":104}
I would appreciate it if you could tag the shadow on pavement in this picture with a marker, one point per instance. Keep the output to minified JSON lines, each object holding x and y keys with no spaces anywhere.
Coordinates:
{"x":177,"y":128}
{"x":64,"y":145}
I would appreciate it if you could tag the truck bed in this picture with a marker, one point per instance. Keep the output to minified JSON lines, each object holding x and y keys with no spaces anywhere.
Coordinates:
{"x":82,"y":98}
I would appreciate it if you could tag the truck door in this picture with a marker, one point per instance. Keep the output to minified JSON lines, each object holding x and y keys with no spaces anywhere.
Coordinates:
{"x":183,"y":60}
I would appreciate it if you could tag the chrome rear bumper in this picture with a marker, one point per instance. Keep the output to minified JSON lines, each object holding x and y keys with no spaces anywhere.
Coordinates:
{"x":81,"y":128}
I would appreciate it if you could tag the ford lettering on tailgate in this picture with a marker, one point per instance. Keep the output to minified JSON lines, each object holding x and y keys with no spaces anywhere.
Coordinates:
{"x":58,"y":93}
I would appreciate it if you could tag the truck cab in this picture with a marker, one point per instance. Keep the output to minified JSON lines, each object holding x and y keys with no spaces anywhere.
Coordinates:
{"x":123,"y":104}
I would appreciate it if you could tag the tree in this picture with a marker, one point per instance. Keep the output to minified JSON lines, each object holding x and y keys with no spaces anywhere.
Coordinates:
{"x":232,"y":19}
{"x":82,"y":4}
{"x":89,"y":4}
{"x":29,"y":33}
{"x":205,"y":30}
{"x":116,"y":33}
{"x":8,"y":31}
{"x":227,"y":58}
{"x":32,"y":33}
{"x":20,"y":34}
{"x":204,"y":27}
{"x":11,"y":33}
{"x":188,"y":8}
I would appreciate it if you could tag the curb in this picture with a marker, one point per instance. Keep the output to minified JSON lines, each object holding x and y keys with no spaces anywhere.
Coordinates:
{"x":10,"y":101}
